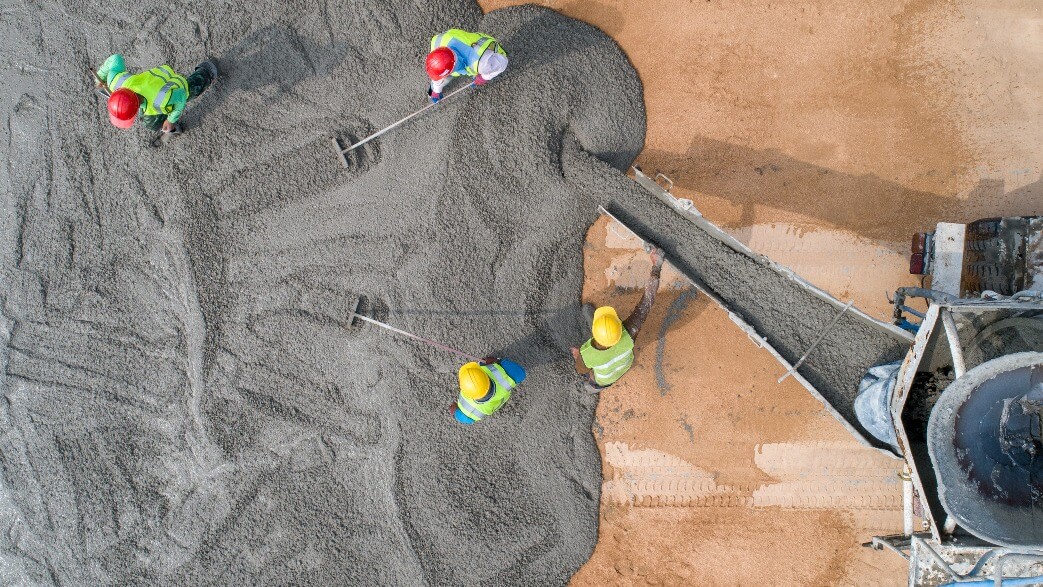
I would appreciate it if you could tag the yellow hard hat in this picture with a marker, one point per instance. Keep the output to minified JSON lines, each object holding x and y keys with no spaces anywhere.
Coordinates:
{"x":474,"y":383}
{"x":607,"y":328}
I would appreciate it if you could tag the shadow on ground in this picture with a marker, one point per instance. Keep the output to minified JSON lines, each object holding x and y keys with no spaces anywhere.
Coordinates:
{"x":883,"y":209}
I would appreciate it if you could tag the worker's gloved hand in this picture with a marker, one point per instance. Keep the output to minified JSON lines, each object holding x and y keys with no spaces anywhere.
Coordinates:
{"x":480,"y":81}
{"x":435,"y":96}
{"x":657,"y":257}
{"x":173,"y":128}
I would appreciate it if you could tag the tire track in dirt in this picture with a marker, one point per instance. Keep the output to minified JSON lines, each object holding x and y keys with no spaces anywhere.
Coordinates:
{"x":810,"y":475}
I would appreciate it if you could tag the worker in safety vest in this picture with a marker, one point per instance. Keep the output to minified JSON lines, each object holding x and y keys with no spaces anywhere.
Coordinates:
{"x":159,"y":95}
{"x":457,"y":52}
{"x":485,"y":387}
{"x":609,"y":353}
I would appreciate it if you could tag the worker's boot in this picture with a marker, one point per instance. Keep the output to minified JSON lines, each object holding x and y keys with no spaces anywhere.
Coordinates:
{"x":590,"y":388}
{"x":201,"y":78}
{"x":210,"y":67}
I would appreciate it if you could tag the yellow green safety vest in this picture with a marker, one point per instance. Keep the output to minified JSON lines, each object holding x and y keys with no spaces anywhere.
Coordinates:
{"x":610,"y":364}
{"x":468,"y":47}
{"x":503,"y":384}
{"x":161,"y":87}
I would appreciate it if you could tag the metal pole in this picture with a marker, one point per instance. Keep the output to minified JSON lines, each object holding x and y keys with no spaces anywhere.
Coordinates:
{"x":404,"y":120}
{"x":420,"y":338}
{"x":907,"y":500}
{"x":815,"y":344}
{"x":959,"y":365}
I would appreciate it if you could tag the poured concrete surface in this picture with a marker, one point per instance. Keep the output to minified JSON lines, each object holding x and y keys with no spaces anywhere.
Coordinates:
{"x":185,"y":401}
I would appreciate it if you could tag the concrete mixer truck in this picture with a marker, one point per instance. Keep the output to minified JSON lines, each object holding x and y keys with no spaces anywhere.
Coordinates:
{"x":954,"y":387}
{"x":963,"y":409}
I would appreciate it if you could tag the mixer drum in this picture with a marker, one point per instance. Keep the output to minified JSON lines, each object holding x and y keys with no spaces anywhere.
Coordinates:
{"x":986,"y":443}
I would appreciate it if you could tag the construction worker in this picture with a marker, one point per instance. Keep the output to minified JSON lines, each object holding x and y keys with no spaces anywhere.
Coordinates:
{"x":159,"y":95}
{"x":484,"y":387}
{"x":457,"y":52}
{"x":609,"y":353}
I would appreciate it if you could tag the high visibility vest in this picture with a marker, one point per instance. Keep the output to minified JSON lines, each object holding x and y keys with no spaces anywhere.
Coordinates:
{"x":502,"y":386}
{"x":159,"y":86}
{"x":610,"y":364}
{"x":468,"y":48}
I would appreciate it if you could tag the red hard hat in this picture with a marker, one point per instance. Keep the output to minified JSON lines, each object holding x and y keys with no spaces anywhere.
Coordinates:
{"x":123,"y":107}
{"x":440,"y":63}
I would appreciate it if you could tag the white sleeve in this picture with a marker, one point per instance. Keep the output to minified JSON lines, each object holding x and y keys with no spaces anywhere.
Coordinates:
{"x":491,"y":64}
{"x":437,"y":86}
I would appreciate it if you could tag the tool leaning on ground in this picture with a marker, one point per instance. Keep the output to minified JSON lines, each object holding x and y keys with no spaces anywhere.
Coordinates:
{"x":454,"y":53}
{"x":485,"y":384}
{"x":427,"y":341}
{"x":343,"y":151}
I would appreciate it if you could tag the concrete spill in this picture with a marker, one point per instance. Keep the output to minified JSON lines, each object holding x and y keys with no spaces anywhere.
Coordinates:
{"x":184,"y":403}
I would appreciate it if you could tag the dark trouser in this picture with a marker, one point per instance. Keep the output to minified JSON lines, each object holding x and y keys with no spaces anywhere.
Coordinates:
{"x":591,"y":386}
{"x":198,"y":82}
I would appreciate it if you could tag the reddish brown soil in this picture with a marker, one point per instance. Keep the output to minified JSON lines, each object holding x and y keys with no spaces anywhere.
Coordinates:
{"x":854,"y":122}
{"x":718,"y":410}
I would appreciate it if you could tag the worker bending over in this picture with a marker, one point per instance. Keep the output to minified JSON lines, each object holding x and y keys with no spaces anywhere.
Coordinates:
{"x":457,"y":52}
{"x":609,"y":353}
{"x":485,"y":387}
{"x":159,"y":95}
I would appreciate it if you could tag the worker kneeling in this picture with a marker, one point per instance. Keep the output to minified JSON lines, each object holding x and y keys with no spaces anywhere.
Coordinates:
{"x":609,"y":353}
{"x":457,"y":52}
{"x":485,"y":387}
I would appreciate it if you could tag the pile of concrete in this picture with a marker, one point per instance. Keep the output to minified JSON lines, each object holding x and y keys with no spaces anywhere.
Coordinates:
{"x":186,"y":402}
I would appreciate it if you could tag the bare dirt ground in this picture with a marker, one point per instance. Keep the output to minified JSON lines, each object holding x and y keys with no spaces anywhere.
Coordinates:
{"x":715,"y":473}
{"x":822,"y":134}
